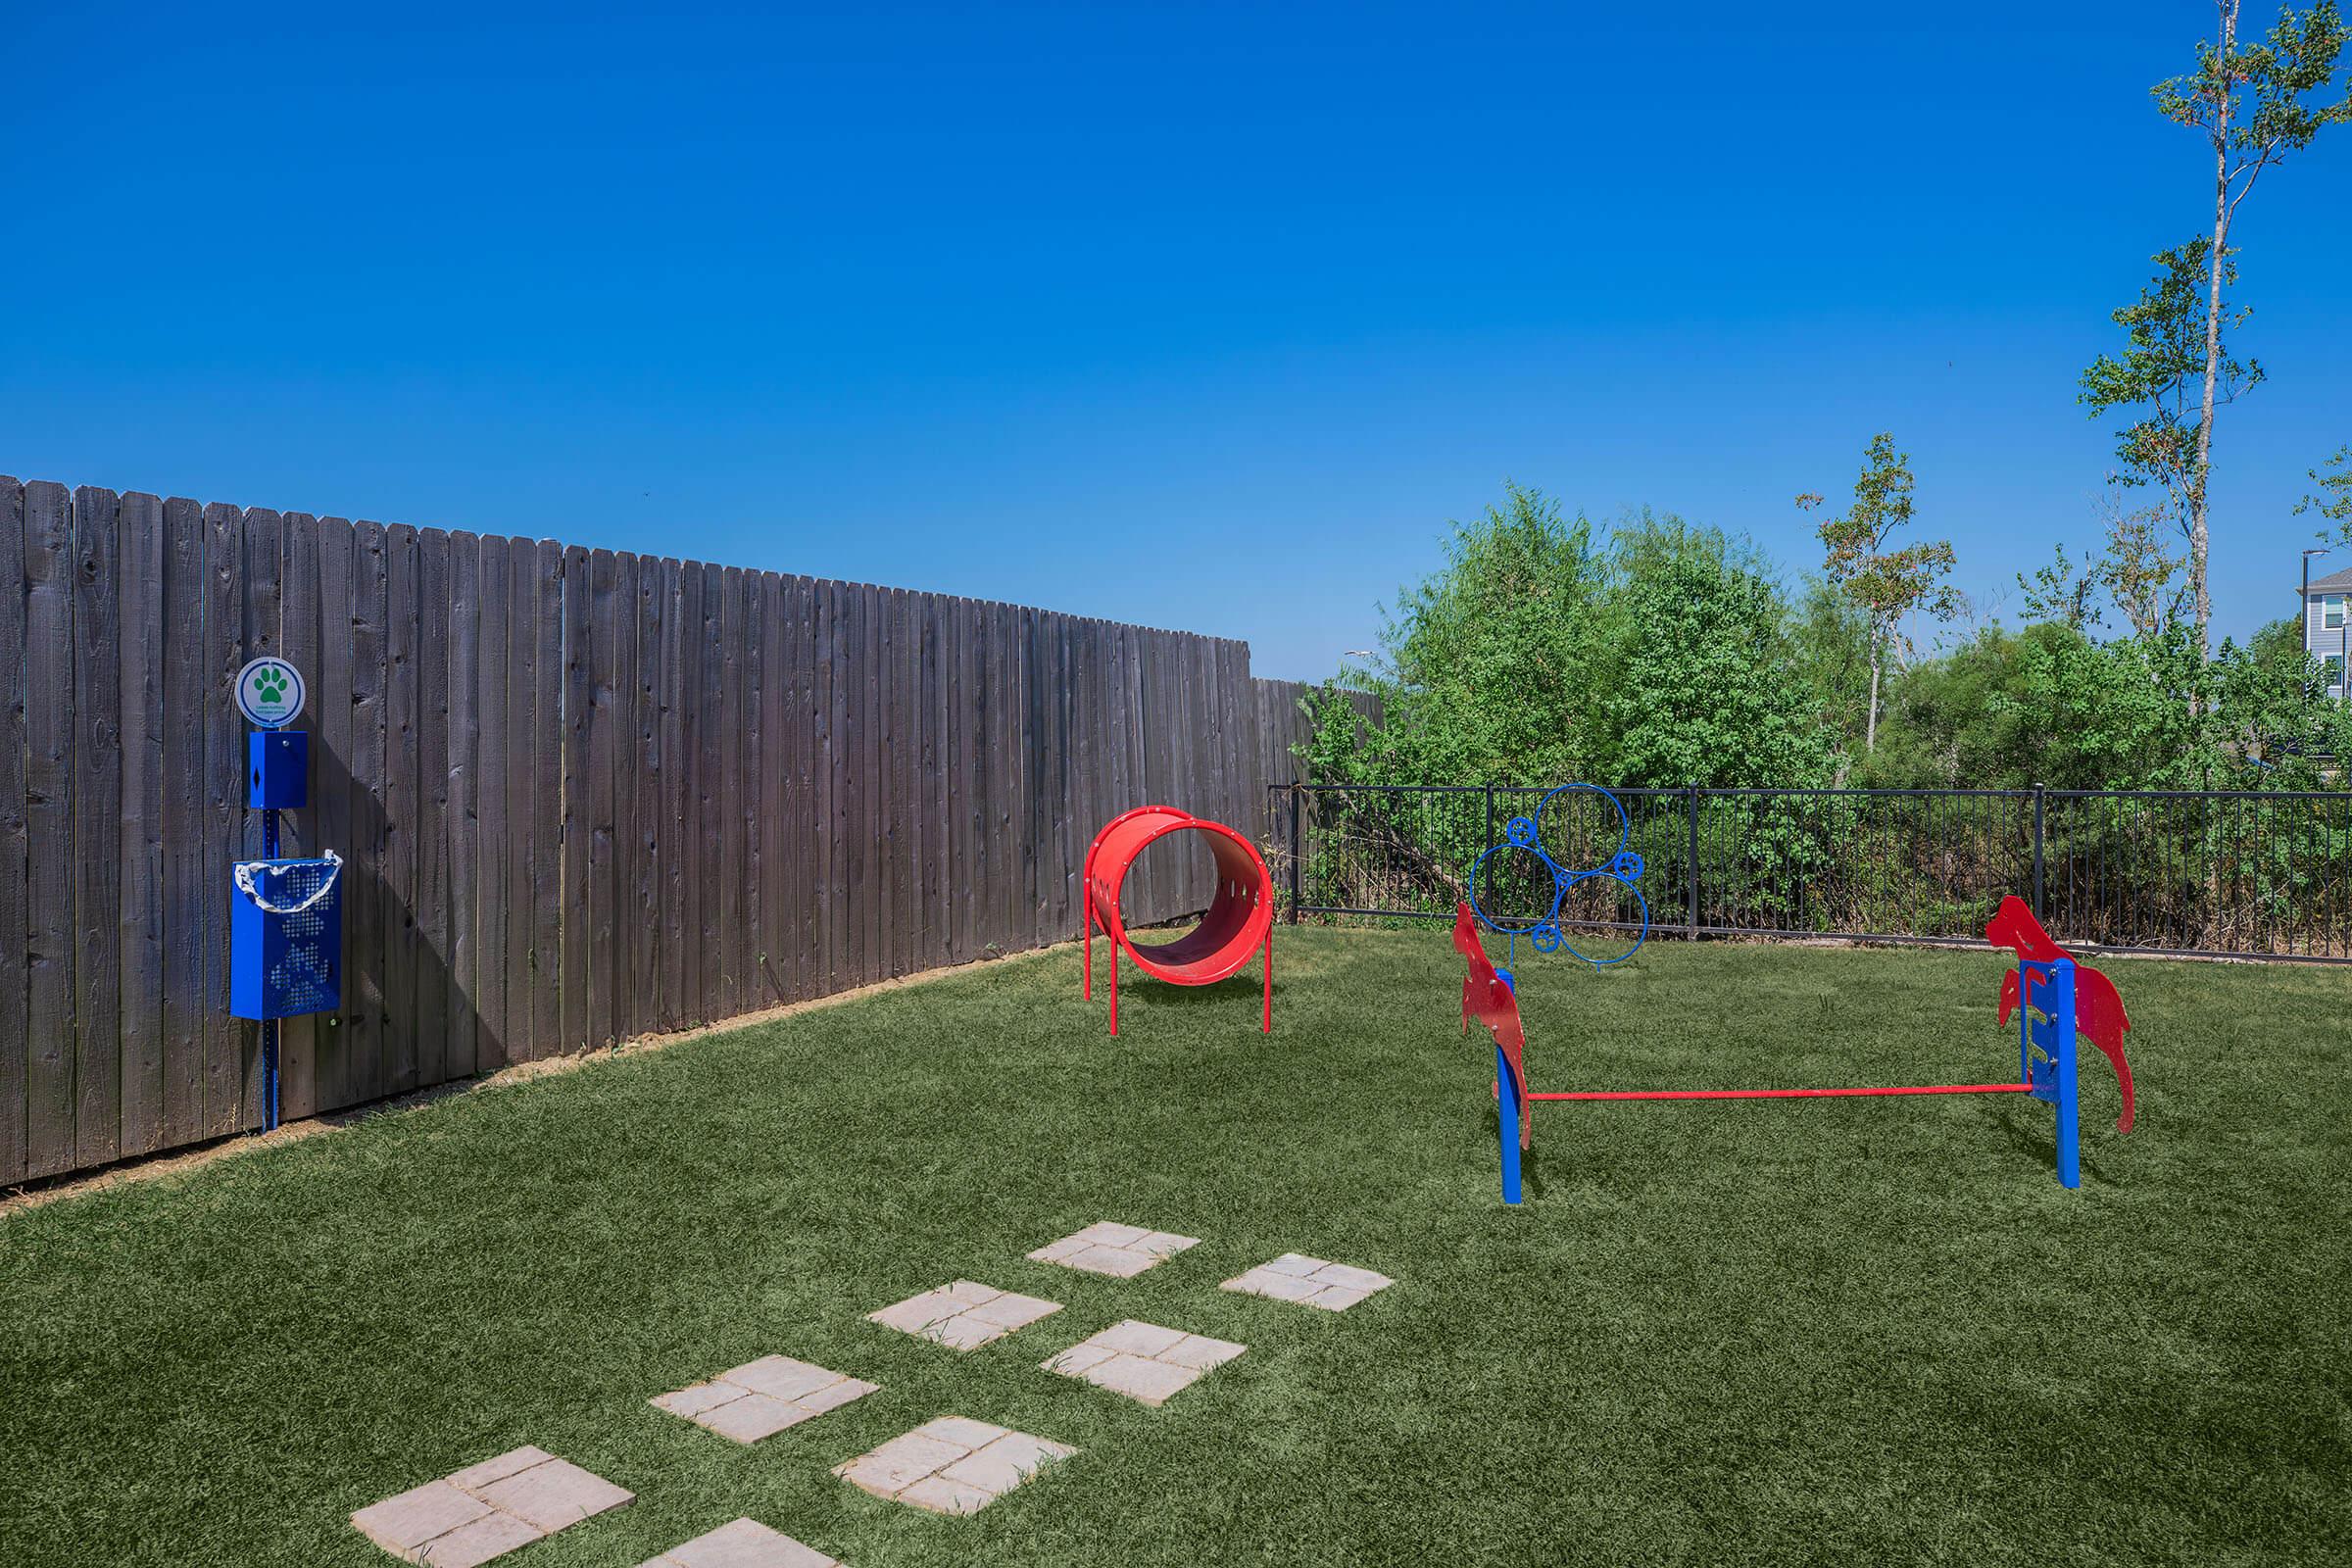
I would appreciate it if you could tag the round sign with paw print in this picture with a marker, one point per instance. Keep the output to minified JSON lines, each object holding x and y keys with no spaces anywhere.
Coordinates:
{"x":270,"y":693}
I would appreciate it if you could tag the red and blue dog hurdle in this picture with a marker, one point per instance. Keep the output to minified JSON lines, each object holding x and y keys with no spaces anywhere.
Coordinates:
{"x":2059,"y":999}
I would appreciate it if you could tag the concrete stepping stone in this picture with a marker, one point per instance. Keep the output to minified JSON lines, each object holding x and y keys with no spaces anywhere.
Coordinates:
{"x":951,"y":1465}
{"x":962,"y":1315}
{"x":488,"y":1509}
{"x":1310,"y":1282}
{"x":742,"y":1544}
{"x":1110,"y":1247}
{"x":1142,"y":1360}
{"x":761,"y":1399}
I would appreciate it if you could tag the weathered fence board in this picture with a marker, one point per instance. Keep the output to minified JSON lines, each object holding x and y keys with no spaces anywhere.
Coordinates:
{"x":704,"y":963}
{"x":49,"y":828}
{"x":430,"y":839}
{"x":615,"y":718}
{"x":300,"y":635}
{"x":461,"y":825}
{"x":15,"y":936}
{"x":139,"y":939}
{"x":490,"y":900}
{"x":334,"y":1071}
{"x":523,"y":749}
{"x":545,"y":950}
{"x":365,"y":947}
{"x":676,"y":742}
{"x":579,"y":796}
{"x":728,"y":790}
{"x":605,"y":931}
{"x":97,"y":784}
{"x":569,"y":805}
{"x":642,"y":759}
{"x":404,"y":582}
{"x":803,"y":824}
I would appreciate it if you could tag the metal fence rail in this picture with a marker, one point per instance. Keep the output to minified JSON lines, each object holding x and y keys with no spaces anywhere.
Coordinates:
{"x":2249,"y":874}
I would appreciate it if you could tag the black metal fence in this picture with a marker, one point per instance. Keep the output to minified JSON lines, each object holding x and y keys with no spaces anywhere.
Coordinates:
{"x":2218,"y":873}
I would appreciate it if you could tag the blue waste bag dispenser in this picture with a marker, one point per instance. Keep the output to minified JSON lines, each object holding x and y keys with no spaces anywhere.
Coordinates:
{"x":285,"y":938}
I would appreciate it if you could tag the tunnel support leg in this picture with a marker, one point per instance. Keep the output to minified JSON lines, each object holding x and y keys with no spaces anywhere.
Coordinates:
{"x":1265,"y":1024}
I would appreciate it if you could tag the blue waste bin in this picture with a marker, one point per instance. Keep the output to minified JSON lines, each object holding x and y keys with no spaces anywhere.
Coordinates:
{"x":285,"y":938}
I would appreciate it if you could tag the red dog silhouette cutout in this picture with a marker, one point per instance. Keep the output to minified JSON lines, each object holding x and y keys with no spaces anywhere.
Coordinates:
{"x":2099,"y":1010}
{"x":1489,"y":997}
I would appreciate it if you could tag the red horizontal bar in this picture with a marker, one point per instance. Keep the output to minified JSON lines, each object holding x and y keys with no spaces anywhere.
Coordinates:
{"x":1788,"y":1094}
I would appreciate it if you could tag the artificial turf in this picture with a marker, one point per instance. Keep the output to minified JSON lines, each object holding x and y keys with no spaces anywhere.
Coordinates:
{"x":1852,"y":1331}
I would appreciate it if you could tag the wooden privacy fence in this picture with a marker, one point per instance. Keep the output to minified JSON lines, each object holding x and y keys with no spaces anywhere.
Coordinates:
{"x":580,"y":794}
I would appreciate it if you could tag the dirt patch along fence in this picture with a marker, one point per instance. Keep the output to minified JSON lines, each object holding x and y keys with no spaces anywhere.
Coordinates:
{"x":580,"y":796}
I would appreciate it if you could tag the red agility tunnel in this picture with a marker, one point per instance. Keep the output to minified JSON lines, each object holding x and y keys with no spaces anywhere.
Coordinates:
{"x":1240,"y":920}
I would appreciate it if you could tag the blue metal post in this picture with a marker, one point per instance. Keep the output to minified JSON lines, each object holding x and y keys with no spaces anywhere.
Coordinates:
{"x":1507,"y":1105}
{"x":2062,"y":1013}
{"x":268,"y":1025}
{"x":2048,"y":990}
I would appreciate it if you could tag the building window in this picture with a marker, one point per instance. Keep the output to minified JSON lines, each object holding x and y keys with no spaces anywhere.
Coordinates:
{"x":2331,"y":612}
{"x":2333,"y":671}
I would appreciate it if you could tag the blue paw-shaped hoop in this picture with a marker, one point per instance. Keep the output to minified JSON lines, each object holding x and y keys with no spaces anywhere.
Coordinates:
{"x":1526,"y":835}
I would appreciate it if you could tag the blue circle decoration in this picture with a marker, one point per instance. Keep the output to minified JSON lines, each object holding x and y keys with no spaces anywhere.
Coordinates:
{"x":1643,"y":936}
{"x":1543,"y":932}
{"x":1515,"y":928}
{"x":1625,"y":826}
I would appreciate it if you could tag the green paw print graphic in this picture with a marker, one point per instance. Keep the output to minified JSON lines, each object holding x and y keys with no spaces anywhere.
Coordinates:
{"x":269,"y":685}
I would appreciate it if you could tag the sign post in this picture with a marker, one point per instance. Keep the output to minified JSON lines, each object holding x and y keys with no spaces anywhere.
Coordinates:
{"x":270,"y":694}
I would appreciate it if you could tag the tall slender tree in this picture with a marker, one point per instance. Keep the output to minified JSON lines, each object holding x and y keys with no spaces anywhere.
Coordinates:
{"x":1887,"y":583}
{"x":2255,"y":104}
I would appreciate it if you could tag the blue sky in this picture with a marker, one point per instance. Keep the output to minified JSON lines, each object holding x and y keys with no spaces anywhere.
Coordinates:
{"x":1204,"y":316}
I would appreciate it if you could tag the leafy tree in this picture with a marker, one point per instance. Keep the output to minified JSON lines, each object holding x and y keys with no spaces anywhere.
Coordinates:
{"x":2046,"y":705}
{"x":2136,"y":570}
{"x":2332,"y":501}
{"x":1536,"y":655}
{"x":1661,"y":653}
{"x":1485,"y":659}
{"x":2062,"y":592}
{"x":1886,"y":583}
{"x":1830,"y":648}
{"x":2273,"y":715}
{"x":2254,"y":104}
{"x":1700,"y":688}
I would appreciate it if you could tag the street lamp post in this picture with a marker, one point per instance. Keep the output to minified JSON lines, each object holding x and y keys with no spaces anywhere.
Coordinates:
{"x":2303,"y":615}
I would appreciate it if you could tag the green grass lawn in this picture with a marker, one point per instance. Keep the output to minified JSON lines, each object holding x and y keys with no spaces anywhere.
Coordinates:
{"x":1861,"y":1331}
